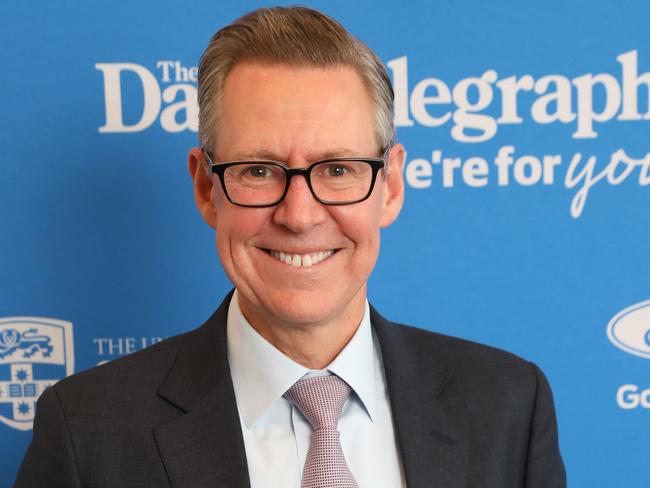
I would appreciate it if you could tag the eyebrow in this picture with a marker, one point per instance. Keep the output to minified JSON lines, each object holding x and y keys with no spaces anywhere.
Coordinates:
{"x":339,"y":152}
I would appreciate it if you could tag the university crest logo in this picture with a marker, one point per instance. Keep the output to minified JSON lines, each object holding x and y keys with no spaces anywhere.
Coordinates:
{"x":35,"y":353}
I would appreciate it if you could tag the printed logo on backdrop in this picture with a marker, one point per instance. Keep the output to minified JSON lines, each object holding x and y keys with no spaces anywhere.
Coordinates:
{"x":584,"y":103}
{"x":35,"y":353}
{"x":629,"y":330}
{"x":171,"y":97}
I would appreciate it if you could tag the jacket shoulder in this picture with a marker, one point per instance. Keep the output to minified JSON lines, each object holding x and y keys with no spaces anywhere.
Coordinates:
{"x":466,"y":365}
{"x":457,"y":351}
{"x":125,"y":379}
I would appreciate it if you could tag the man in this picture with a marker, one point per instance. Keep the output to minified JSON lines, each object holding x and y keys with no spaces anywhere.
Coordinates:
{"x":295,"y":380}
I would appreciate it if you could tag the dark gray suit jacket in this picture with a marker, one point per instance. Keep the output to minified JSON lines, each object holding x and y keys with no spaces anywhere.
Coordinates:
{"x":466,"y":416}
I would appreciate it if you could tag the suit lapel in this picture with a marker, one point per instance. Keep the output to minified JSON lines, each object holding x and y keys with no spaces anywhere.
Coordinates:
{"x":433,"y":444}
{"x":204,"y":445}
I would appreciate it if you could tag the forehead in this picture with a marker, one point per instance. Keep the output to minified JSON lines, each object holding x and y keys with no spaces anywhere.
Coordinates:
{"x":290,"y":110}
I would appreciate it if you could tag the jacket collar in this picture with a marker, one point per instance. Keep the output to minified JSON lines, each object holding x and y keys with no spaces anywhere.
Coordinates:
{"x":431,"y":440}
{"x":203,"y":446}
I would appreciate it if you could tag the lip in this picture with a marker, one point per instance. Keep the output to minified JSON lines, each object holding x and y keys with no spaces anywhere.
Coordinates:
{"x":301,"y":251}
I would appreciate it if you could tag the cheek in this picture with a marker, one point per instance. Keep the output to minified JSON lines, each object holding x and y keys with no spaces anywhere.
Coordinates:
{"x":360,"y":223}
{"x":236,"y":226}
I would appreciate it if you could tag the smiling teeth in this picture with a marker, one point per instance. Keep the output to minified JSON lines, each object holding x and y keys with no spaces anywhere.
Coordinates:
{"x":302,"y":259}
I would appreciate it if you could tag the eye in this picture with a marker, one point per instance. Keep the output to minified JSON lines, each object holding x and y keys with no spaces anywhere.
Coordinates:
{"x":335,"y":170}
{"x":257,"y":171}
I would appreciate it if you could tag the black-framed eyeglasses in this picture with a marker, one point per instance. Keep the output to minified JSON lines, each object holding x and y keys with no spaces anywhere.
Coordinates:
{"x":264,"y":183}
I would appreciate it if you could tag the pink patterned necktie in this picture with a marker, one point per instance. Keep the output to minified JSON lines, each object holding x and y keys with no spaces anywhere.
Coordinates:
{"x":320,"y":399}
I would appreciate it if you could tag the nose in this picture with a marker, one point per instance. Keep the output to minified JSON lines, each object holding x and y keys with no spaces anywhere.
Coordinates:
{"x":299,"y":211}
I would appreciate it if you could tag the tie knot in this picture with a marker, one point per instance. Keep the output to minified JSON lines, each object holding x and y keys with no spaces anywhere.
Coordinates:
{"x":320,"y":399}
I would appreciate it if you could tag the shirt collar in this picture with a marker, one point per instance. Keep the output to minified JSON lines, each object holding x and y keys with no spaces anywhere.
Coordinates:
{"x":355,"y":364}
{"x":261,"y":373}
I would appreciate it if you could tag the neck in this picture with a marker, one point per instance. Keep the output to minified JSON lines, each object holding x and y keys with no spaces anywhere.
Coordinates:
{"x":314,"y":345}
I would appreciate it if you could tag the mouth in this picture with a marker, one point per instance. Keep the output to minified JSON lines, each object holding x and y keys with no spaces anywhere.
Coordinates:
{"x":301,"y":260}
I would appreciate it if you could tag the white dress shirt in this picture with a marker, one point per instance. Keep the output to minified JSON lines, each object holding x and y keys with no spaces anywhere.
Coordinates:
{"x":276,"y":435}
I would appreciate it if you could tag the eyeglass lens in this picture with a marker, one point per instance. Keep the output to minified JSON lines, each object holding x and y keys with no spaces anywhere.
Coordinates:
{"x":257,"y":183}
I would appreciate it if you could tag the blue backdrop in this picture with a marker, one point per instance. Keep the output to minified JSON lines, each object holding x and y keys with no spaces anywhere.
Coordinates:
{"x":525,"y":224}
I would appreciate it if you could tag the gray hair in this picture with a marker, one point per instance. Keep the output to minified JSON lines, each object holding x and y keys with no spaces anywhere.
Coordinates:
{"x":294,"y":36}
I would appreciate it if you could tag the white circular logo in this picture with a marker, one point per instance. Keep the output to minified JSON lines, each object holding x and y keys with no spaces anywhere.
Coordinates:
{"x":629,"y":329}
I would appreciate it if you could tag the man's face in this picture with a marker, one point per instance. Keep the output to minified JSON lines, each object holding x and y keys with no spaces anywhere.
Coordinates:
{"x":298,"y":115}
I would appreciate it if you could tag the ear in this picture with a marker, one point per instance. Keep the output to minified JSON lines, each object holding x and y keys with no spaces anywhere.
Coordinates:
{"x":196,"y":166}
{"x":393,"y":197}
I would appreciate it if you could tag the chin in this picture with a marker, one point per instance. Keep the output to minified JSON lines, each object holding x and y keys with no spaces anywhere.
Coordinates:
{"x":304,"y":307}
